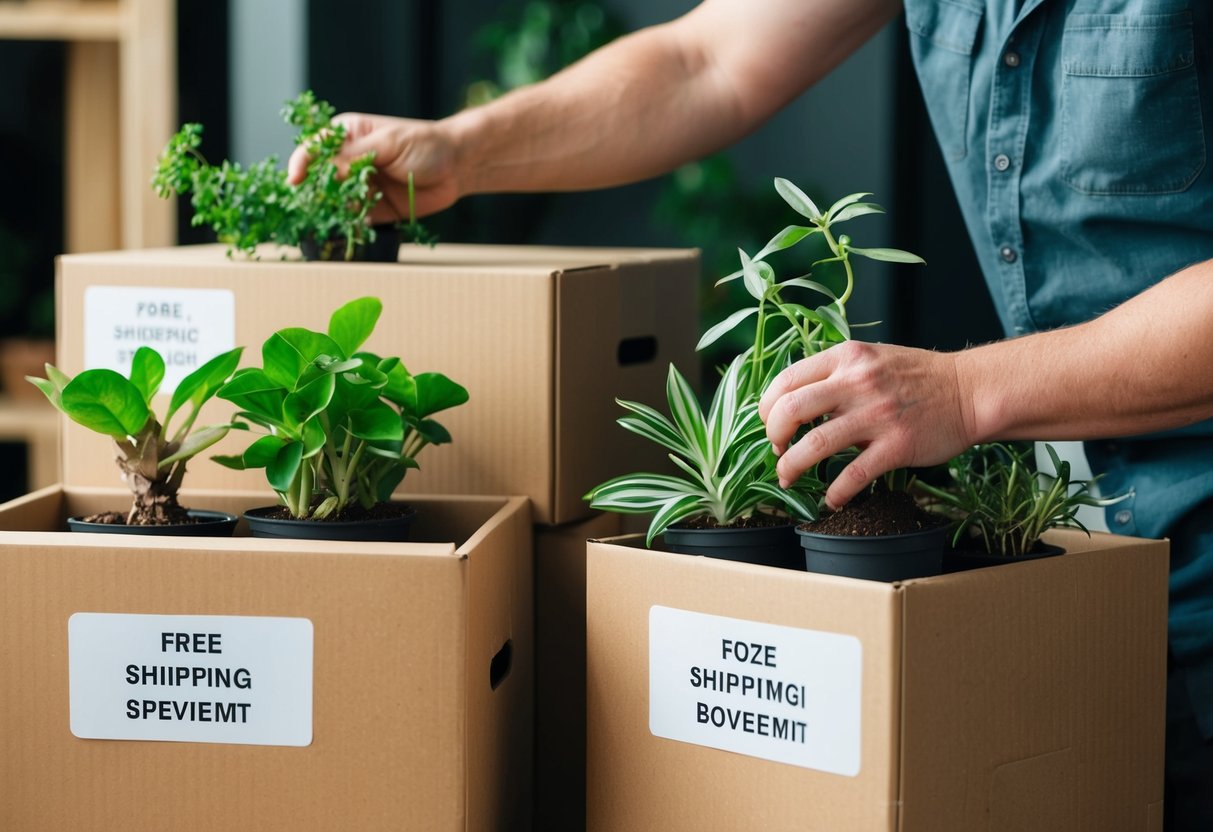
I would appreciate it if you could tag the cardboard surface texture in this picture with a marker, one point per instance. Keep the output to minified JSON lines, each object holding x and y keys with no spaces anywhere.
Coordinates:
{"x":1022,"y":697}
{"x":422,"y":688}
{"x":543,"y":338}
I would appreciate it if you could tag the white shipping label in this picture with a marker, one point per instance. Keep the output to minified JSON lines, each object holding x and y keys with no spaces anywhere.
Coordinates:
{"x":764,"y":690}
{"x":191,"y":678}
{"x":188,"y":327}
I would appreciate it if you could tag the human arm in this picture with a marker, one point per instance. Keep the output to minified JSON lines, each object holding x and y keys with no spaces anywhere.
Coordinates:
{"x":1146,"y":365}
{"x":635,"y":108}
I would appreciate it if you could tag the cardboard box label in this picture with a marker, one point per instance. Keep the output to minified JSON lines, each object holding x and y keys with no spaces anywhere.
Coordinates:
{"x":764,"y":690}
{"x":191,"y":678}
{"x":188,"y":327}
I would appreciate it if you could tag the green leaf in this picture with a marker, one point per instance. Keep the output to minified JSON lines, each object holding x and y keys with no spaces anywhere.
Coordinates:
{"x":797,"y":198}
{"x":147,"y":371}
{"x":432,"y":432}
{"x":308,"y":401}
{"x":435,"y":393}
{"x":889,"y":255}
{"x":252,"y":390}
{"x":653,"y":426}
{"x":834,"y":320}
{"x":229,"y":461}
{"x":391,"y":477}
{"x":52,"y":392}
{"x":378,"y":423}
{"x":282,"y":471}
{"x":803,"y":283}
{"x":687,"y":417}
{"x":795,"y":504}
{"x":354,"y":322}
{"x":724,"y":327}
{"x":671,"y":513}
{"x":262,"y":452}
{"x":752,"y":277}
{"x":200,"y":385}
{"x":198,"y":441}
{"x":849,"y":199}
{"x":287,"y":353}
{"x":730,"y":277}
{"x":785,"y":239}
{"x":106,"y":402}
{"x":313,"y":438}
{"x":638,"y":493}
{"x":857,"y":210}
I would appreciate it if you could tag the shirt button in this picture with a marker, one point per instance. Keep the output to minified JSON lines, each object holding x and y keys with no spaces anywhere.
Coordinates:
{"x":1008,"y":254}
{"x":1001,"y":162}
{"x":1123,"y":517}
{"x":1011,"y":59}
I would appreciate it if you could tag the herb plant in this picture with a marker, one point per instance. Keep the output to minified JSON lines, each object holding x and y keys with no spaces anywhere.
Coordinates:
{"x":339,"y":425}
{"x":998,"y":497}
{"x":151,"y":456}
{"x":248,"y":206}
{"x":727,"y":467}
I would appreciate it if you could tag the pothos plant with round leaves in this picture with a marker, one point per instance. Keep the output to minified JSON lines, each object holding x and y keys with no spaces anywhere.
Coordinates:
{"x":151,"y":454}
{"x":339,"y":425}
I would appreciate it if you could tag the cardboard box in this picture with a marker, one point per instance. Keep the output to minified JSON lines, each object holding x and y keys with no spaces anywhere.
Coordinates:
{"x":543,"y":338}
{"x":560,"y":670}
{"x":419,"y":660}
{"x":1028,"y":696}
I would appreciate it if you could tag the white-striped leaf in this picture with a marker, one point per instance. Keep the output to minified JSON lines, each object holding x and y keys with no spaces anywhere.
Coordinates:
{"x":785,"y":239}
{"x":797,"y":198}
{"x":727,"y":325}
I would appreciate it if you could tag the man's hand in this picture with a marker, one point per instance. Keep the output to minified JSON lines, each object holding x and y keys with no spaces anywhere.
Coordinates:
{"x":401,"y":146}
{"x":901,"y":407}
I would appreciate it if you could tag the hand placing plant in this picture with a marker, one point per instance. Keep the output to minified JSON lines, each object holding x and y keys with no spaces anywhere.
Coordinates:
{"x":341,"y":426}
{"x":1000,"y":499}
{"x":727,"y":468}
{"x":151,"y":456}
{"x":326,"y":213}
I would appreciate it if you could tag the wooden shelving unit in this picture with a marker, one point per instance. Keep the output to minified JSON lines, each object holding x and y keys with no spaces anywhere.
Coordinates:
{"x":36,"y":424}
{"x":121,"y":80}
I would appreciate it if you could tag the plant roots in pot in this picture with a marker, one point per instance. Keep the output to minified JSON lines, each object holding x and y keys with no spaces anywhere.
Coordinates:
{"x":962,"y":560}
{"x":263,"y":523}
{"x":764,"y":545}
{"x":206,"y":524}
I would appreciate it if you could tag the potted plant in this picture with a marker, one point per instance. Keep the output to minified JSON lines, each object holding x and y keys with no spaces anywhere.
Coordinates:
{"x":151,"y":456}
{"x":1000,"y":504}
{"x":339,"y":429}
{"x":325,"y":215}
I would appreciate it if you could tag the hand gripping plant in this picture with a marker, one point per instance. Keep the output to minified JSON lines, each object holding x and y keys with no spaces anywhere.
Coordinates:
{"x":340,"y":426}
{"x":151,"y":456}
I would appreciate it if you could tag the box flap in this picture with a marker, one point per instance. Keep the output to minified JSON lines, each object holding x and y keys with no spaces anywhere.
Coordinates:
{"x":1055,"y":689}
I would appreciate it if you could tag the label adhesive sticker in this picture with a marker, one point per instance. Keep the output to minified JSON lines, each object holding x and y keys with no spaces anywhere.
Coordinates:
{"x":191,"y":678}
{"x":188,"y":327}
{"x":779,"y":693}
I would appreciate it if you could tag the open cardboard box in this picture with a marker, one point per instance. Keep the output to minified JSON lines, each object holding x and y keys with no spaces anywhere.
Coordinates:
{"x":544,"y":339}
{"x":1027,"y":696}
{"x":421,"y":672}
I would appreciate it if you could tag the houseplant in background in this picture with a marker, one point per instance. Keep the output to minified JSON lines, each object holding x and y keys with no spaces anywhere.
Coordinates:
{"x":1001,"y":504}
{"x":325,"y":215}
{"x":339,"y":429}
{"x":151,"y":456}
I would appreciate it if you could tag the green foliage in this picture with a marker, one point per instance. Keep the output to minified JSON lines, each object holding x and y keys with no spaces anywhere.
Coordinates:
{"x":337,"y":423}
{"x":998,"y":497}
{"x":247,"y":206}
{"x":727,"y":469}
{"x":149,"y":450}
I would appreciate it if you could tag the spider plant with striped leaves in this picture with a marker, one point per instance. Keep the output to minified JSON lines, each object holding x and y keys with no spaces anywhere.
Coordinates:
{"x":726,"y":466}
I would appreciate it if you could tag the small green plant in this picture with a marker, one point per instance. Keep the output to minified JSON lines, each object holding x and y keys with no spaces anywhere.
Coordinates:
{"x":246,"y":206}
{"x":150,"y":454}
{"x":727,"y":468}
{"x":999,"y":498}
{"x":339,"y":425}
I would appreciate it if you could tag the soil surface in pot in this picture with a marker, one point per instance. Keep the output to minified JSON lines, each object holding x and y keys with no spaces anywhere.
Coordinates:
{"x":118,"y":518}
{"x":880,"y":512}
{"x":353,"y":513}
{"x":755,"y":521}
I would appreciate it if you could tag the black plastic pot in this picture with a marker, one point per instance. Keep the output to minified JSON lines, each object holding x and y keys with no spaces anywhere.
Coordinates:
{"x":210,"y":524}
{"x":962,"y":560}
{"x":385,"y":249}
{"x":391,"y":529}
{"x":763,"y":545}
{"x":876,"y":558}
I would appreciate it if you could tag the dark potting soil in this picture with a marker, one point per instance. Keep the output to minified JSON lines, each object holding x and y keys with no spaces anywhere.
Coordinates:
{"x":755,"y":521}
{"x":880,"y":512}
{"x":352,"y":513}
{"x":117,"y":518}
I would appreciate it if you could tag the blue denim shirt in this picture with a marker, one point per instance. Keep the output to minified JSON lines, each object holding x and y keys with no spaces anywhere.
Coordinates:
{"x":1076,"y":134}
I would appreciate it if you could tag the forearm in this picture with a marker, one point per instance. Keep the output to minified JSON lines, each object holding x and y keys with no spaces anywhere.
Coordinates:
{"x":1146,"y":365}
{"x":660,"y":97}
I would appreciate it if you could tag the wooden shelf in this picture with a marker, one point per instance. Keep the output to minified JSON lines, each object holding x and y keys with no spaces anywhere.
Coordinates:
{"x":36,"y":424}
{"x":70,"y":20}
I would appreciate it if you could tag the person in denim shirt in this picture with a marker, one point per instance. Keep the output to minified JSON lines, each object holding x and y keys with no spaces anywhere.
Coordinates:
{"x":1076,"y":135}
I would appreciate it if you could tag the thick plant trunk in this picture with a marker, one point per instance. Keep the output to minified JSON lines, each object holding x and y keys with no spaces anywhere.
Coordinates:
{"x":155,"y":501}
